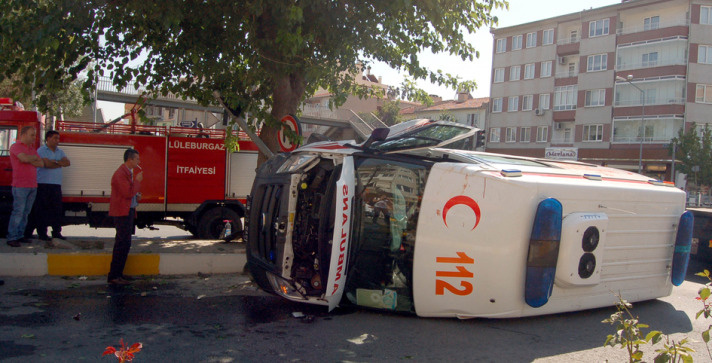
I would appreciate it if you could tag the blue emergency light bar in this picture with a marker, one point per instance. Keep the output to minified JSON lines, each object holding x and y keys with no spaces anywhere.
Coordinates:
{"x":543,"y":252}
{"x":683,"y":241}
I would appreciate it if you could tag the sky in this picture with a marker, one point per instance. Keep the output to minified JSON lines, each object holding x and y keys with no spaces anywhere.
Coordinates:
{"x":520,"y":12}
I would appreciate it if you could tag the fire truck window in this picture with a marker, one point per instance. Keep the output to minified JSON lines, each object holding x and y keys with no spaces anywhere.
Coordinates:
{"x":8,"y":135}
{"x":388,"y":195}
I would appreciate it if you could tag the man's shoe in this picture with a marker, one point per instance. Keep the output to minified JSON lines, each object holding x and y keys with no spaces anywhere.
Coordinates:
{"x":14,"y":243}
{"x":44,"y":238}
{"x":25,"y":240}
{"x":128,"y":278}
{"x":119,"y":281}
{"x":58,"y":236}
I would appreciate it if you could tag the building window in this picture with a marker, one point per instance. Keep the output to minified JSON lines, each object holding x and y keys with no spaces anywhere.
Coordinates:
{"x":565,"y":98}
{"x":501,"y":45}
{"x":513,"y":104}
{"x":651,"y":23}
{"x":531,"y":40}
{"x":525,"y":134}
{"x":548,"y":37}
{"x":704,"y":54}
{"x":514,"y":72}
{"x":498,"y":75}
{"x":598,"y":62}
{"x":473,"y":119}
{"x":703,"y":93}
{"x":544,"y":101}
{"x":598,"y":28}
{"x":706,"y":15}
{"x":596,"y":97}
{"x":529,"y":71}
{"x":527,"y":102}
{"x":494,"y":135}
{"x":511,"y":134}
{"x":542,"y":133}
{"x":545,"y":69}
{"x":592,"y":133}
{"x":650,"y":59}
{"x":497,"y":104}
{"x":516,"y":42}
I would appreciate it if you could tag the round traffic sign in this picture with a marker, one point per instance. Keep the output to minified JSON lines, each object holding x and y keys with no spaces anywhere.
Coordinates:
{"x":292,"y":122}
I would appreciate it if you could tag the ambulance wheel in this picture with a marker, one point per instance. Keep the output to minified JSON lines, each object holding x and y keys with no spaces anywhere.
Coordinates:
{"x":212,"y":223}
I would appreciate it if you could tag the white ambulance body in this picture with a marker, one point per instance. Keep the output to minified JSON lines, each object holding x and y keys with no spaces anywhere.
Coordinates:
{"x":451,"y":233}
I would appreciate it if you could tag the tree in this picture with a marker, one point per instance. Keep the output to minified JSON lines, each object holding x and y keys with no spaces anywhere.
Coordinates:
{"x":694,"y":150}
{"x":389,"y":113}
{"x":68,"y":102}
{"x":262,"y":56}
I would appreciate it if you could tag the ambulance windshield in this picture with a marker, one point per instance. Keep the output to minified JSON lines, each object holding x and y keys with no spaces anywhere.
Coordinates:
{"x":388,"y":196}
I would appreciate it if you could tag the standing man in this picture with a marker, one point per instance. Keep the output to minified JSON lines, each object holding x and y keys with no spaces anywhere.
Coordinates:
{"x":24,"y":160}
{"x":125,"y":188}
{"x":48,"y":207}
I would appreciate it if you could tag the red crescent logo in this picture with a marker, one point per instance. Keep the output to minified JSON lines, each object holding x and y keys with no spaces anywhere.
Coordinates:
{"x":465,"y":200}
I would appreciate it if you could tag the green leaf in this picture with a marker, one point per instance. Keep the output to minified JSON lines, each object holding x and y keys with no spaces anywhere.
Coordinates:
{"x":654,"y":336}
{"x":706,"y":336}
{"x":705,"y":293}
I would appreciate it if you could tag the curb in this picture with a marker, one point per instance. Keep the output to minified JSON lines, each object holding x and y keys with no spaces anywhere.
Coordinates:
{"x":82,"y":264}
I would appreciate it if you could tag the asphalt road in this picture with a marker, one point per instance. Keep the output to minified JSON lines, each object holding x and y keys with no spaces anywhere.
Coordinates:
{"x":225,"y":318}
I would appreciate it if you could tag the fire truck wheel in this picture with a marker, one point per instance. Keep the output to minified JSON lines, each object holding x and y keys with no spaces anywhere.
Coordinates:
{"x":213,"y":221}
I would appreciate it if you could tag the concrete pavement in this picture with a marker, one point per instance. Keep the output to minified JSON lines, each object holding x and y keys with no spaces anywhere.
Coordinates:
{"x":83,"y":254}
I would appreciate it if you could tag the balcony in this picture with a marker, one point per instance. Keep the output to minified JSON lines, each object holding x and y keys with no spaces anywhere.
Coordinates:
{"x":569,"y":73}
{"x":567,"y":46}
{"x":562,"y":140}
{"x":652,"y":27}
{"x":642,"y":65}
{"x":568,"y":40}
{"x":649,"y":102}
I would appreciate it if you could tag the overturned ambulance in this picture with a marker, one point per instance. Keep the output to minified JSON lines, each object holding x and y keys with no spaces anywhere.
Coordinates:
{"x":412,"y":220}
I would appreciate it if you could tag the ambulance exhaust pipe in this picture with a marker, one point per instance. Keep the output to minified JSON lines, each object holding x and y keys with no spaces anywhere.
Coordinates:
{"x":543,"y":253}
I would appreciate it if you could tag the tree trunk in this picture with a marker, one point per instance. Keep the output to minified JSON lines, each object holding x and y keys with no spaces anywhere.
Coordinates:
{"x":288,"y":92}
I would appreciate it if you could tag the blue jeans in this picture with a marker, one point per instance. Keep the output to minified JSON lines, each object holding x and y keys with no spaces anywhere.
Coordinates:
{"x":22,"y":200}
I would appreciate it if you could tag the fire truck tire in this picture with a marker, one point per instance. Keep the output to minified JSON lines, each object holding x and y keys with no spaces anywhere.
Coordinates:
{"x":212,"y":223}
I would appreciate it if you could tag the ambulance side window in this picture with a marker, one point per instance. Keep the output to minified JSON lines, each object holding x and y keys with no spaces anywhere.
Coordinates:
{"x":8,"y":135}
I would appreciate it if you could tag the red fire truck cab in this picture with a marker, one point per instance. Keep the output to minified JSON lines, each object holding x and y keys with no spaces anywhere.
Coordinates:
{"x":190,"y":179}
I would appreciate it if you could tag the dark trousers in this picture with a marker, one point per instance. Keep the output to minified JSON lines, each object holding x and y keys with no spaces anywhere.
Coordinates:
{"x":47,"y":211}
{"x":122,"y":244}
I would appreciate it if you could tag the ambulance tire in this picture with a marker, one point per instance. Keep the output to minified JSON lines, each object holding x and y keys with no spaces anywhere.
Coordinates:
{"x":211,"y":223}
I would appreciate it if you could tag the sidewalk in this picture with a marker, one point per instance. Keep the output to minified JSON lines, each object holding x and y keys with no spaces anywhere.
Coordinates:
{"x":89,"y":256}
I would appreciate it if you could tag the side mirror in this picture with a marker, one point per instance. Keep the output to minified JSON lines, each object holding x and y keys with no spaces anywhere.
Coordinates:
{"x":378,"y":134}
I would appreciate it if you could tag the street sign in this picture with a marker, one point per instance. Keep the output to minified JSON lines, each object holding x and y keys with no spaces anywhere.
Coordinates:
{"x":189,"y":123}
{"x":284,"y":142}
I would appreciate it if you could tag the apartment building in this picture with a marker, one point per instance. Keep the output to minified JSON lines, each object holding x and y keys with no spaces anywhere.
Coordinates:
{"x":609,"y":85}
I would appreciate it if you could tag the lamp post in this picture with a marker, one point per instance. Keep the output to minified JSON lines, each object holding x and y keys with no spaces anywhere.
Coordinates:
{"x":629,"y":79}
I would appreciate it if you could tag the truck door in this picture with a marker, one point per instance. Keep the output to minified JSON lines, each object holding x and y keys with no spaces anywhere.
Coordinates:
{"x":8,"y":135}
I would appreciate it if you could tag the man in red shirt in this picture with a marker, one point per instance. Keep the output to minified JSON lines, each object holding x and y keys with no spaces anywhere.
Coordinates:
{"x":24,"y":161}
{"x":125,"y":193}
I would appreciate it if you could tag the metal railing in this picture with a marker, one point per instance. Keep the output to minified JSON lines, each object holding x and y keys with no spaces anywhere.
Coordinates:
{"x":105,"y":84}
{"x":566,"y":74}
{"x":568,"y":40}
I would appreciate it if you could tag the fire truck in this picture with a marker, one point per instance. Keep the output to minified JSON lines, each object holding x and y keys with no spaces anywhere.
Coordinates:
{"x":190,"y":179}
